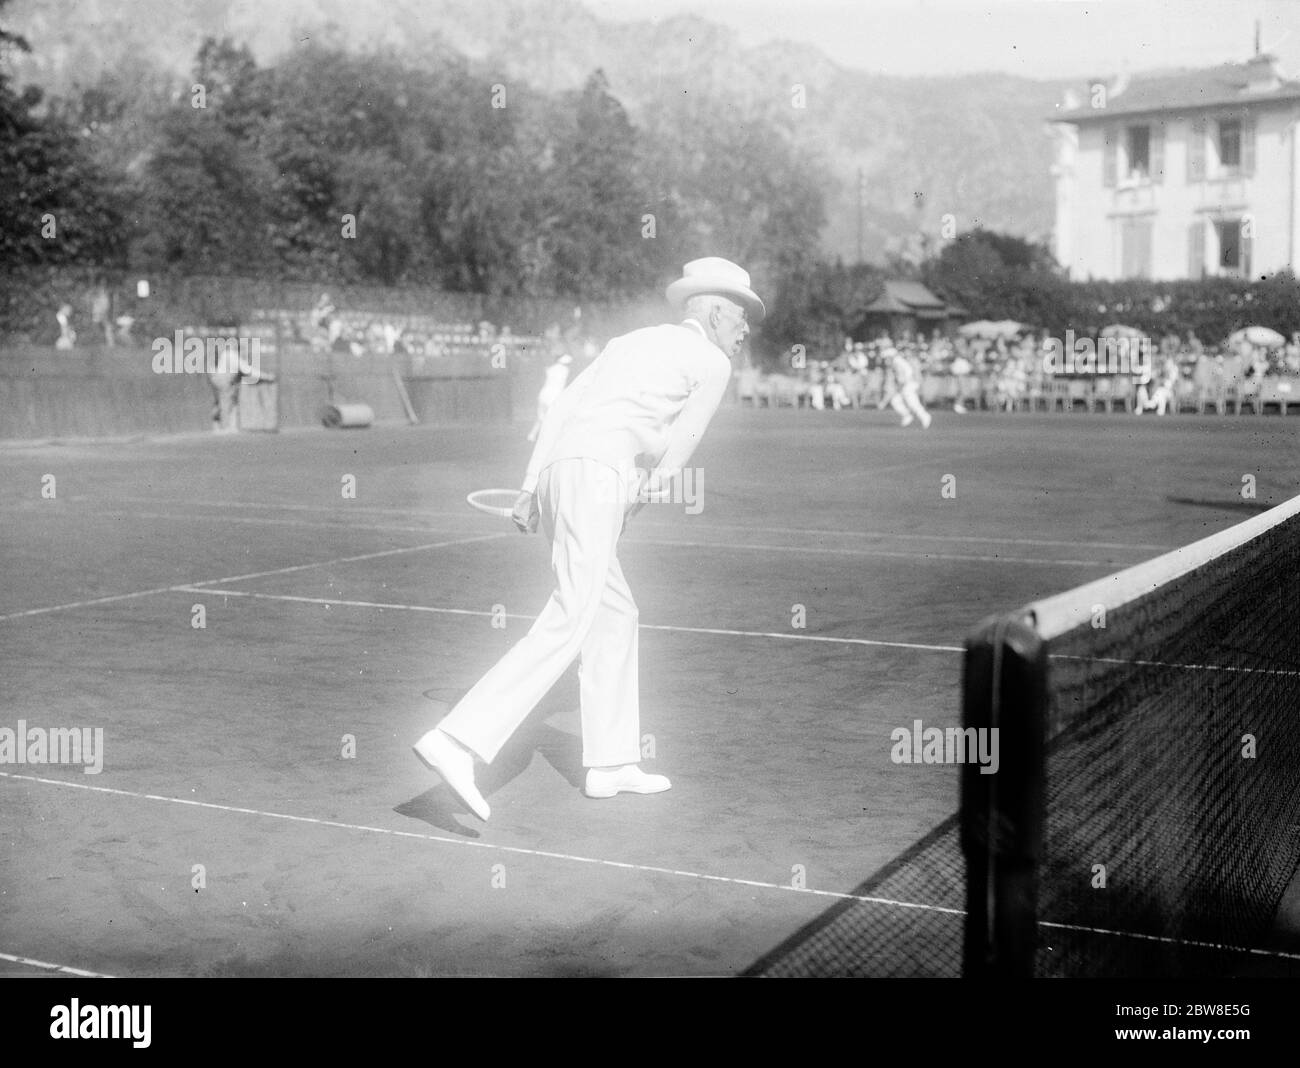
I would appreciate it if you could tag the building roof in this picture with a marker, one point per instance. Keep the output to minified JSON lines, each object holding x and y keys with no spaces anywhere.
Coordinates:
{"x":908,"y":298}
{"x":1253,"y":83}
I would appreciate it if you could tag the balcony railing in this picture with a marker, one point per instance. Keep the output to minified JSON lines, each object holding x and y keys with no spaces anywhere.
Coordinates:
{"x":1225,"y":191}
{"x":1135,"y":195}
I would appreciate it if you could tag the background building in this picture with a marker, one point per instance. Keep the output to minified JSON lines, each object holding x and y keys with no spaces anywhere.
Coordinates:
{"x":1182,"y":175}
{"x":906,"y":308}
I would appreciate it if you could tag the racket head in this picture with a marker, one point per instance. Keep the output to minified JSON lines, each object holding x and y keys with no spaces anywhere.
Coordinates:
{"x":497,"y":502}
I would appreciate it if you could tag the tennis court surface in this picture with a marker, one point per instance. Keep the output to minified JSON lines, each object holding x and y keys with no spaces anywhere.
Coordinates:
{"x":259,"y":810}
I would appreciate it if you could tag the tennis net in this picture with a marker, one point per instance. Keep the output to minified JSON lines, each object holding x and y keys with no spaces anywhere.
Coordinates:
{"x":1146,"y":817}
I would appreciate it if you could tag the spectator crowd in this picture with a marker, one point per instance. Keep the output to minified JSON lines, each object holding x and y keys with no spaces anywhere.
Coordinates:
{"x":1013,"y":374}
{"x":1010,"y":372}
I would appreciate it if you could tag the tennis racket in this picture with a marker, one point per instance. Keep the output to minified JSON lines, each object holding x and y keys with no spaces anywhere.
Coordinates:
{"x":497,"y":502}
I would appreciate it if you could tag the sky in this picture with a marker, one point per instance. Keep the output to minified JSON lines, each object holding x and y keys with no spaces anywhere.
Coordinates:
{"x":1044,"y":39}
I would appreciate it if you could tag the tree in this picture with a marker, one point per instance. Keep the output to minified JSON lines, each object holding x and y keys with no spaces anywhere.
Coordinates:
{"x":366,"y":167}
{"x":596,"y":200}
{"x":56,"y":206}
{"x":987,"y":273}
{"x":820,"y":307}
{"x":736,"y":183}
{"x":202,"y":200}
{"x":8,"y":41}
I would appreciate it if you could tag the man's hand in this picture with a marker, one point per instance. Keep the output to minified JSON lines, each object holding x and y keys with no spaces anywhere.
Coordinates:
{"x":525,"y":515}
{"x":650,"y":489}
{"x":654,"y":489}
{"x":637,"y":502}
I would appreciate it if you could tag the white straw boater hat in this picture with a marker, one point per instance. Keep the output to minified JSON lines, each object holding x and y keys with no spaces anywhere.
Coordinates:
{"x":712,"y":274}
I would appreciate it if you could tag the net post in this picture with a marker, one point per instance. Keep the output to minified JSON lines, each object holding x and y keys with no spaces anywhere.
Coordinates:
{"x":1004,"y":688}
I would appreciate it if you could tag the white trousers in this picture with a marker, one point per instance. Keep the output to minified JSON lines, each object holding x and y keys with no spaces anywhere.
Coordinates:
{"x":591,"y":613}
{"x":907,"y":402}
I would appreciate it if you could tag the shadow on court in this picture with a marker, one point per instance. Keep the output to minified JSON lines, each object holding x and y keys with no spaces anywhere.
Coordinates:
{"x":441,"y":808}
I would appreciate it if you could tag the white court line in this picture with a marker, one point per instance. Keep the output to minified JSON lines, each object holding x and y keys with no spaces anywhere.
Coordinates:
{"x":86,"y":604}
{"x":814,"y":549}
{"x":1282,"y":672}
{"x":63,"y":969}
{"x":1171,"y":941}
{"x":350,"y":559}
{"x":188,"y":587}
{"x":725,"y":546}
{"x":910,"y":536}
{"x":807,"y":638}
{"x":602,"y":862}
{"x":779,"y":635}
{"x":491,"y":846}
{"x":467,"y":514}
{"x":344,"y":526}
{"x":339,"y":602}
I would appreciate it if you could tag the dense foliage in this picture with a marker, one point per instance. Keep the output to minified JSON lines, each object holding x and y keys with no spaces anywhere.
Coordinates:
{"x":343,"y":168}
{"x":335,"y":165}
{"x":1001,"y":277}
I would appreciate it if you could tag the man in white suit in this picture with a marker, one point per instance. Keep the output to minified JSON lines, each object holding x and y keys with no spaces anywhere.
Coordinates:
{"x":557,"y":375}
{"x":616,"y":438}
{"x":906,"y":396}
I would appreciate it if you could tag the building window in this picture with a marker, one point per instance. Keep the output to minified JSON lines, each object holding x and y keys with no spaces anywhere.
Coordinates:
{"x":1196,"y":249}
{"x":1230,"y":144}
{"x":1139,"y":152}
{"x":1229,"y":234}
{"x":1135,"y":248}
{"x":1234,"y":248}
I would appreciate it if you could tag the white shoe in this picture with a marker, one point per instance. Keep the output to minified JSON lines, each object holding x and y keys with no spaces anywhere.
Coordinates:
{"x":925,"y":423}
{"x":907,"y":421}
{"x":629,"y":779}
{"x":960,"y":409}
{"x":443,"y":754}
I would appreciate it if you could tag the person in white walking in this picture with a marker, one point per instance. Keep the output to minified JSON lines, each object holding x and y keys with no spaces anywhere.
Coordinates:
{"x":557,"y":375}
{"x":1167,"y":391}
{"x":905,"y":396}
{"x":645,"y":400}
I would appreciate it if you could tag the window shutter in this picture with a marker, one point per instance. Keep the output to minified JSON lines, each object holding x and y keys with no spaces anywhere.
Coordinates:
{"x":1196,"y":152}
{"x":1196,"y":250}
{"x":1109,"y":156}
{"x":1247,"y":145}
{"x":1157,"y":152}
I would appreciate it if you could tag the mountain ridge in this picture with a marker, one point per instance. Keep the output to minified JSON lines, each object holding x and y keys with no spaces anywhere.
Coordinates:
{"x":970,"y":146}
